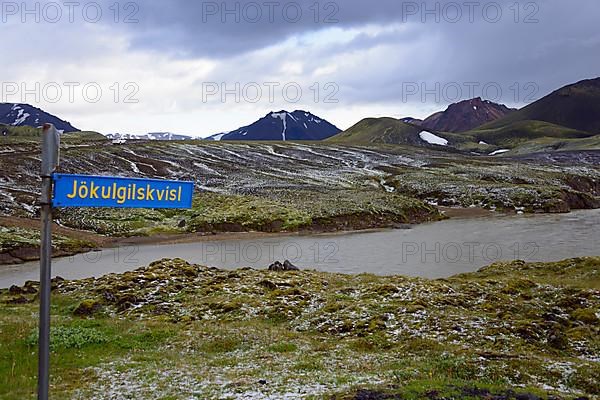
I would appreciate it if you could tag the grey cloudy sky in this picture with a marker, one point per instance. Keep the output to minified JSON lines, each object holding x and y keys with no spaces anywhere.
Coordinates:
{"x":201,"y":67}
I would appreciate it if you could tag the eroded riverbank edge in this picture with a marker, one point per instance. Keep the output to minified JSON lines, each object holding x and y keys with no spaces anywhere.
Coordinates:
{"x":91,"y":241}
{"x":86,"y":241}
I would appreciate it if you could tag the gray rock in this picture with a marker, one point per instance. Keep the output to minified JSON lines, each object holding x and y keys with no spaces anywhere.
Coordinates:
{"x":276,"y":266}
{"x":14,"y":289}
{"x":286,"y":266}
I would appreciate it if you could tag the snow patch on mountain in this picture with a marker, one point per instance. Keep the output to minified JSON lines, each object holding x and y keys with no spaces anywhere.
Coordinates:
{"x":433,"y":139}
{"x":217,"y":137}
{"x":17,"y":114}
{"x":502,"y":151}
{"x":21,"y":116}
{"x":283,"y":117}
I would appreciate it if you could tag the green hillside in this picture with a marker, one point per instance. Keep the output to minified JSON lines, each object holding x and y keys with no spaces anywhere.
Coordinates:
{"x":391,"y":131}
{"x":548,"y":144}
{"x":516,"y":133}
{"x":381,"y":131}
{"x":574,"y":106}
{"x":20,"y":134}
{"x":19,"y":131}
{"x":521,"y":137}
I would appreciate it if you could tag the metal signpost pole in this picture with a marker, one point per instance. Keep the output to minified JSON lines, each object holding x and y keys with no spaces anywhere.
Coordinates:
{"x":50,"y":147}
{"x":64,"y":190}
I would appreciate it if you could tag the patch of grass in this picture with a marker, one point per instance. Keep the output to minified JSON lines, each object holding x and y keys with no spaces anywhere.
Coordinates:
{"x":371,"y":343}
{"x":219,"y":345}
{"x":75,"y":345}
{"x":215,"y":212}
{"x":146,"y":340}
{"x":308,"y":365}
{"x":283,"y":347}
{"x":70,"y":337}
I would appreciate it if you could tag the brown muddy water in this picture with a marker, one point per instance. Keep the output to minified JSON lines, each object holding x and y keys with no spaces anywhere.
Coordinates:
{"x":433,"y":250}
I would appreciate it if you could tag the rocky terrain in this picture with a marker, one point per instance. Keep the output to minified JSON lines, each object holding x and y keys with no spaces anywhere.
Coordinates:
{"x":175,"y":330}
{"x":19,"y":244}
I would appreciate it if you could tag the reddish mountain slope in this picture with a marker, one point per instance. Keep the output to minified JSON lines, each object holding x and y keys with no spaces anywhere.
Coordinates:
{"x":466,"y":115}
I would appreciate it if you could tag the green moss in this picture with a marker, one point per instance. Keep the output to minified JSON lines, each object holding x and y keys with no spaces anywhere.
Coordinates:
{"x":220,"y":345}
{"x":87,"y":307}
{"x":283,"y":347}
{"x":586,"y":315}
{"x":12,"y":238}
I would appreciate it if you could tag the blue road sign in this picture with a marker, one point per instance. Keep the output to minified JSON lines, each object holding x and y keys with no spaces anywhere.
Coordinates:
{"x":104,"y":191}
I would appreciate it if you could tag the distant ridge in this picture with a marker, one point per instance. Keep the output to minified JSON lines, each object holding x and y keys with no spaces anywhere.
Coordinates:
{"x":148,"y":136}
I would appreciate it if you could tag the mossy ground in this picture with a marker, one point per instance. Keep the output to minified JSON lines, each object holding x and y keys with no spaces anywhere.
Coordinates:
{"x":13,"y":241}
{"x":513,"y":186}
{"x":282,"y":211}
{"x":175,"y":330}
{"x":31,"y":135}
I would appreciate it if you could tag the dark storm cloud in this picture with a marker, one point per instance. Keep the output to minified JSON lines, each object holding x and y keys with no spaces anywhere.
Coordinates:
{"x":549,"y":43}
{"x":373,"y":50}
{"x":219,"y":28}
{"x":226,"y":28}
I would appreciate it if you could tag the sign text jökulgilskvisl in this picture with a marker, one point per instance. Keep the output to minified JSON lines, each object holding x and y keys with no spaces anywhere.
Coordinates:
{"x":101,"y":191}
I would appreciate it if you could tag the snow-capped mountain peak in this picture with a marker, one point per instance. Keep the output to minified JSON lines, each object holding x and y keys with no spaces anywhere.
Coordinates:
{"x":17,"y":114}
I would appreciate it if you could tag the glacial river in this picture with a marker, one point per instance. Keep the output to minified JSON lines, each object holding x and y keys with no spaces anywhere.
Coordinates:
{"x":433,"y":250}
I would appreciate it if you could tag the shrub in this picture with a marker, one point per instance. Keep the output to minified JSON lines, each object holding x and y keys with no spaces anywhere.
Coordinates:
{"x":67,"y":337}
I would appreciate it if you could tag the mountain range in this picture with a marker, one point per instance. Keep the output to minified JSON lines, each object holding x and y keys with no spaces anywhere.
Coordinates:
{"x":16,"y":114}
{"x":148,"y":136}
{"x":283,"y":125}
{"x":566,"y":119}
